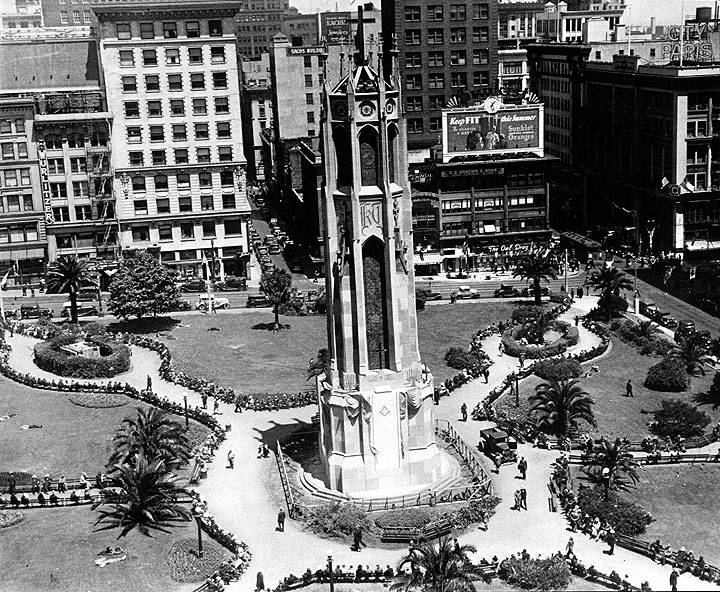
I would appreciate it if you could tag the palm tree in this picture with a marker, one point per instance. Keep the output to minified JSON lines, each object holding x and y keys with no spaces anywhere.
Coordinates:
{"x":539,"y":326}
{"x":152,"y":434}
{"x":145,"y":497}
{"x":66,"y":275}
{"x":538,"y":265}
{"x":712,"y":396}
{"x":693,"y":351}
{"x":613,"y":466}
{"x":437,"y":569}
{"x":559,"y":406}
{"x":609,"y":281}
{"x":647,"y":329}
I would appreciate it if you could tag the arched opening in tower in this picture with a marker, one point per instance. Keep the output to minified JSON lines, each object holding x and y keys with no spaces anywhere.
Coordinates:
{"x":376,"y":334}
{"x":343,"y":155}
{"x":369,"y":157}
{"x":392,"y":151}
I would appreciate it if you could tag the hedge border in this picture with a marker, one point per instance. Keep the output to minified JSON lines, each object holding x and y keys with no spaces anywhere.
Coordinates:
{"x":49,"y":356}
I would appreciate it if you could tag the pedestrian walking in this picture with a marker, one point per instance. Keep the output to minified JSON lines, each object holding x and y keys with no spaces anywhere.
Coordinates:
{"x":673,"y":580}
{"x":572,"y":293}
{"x":357,"y":539}
{"x":317,"y":275}
{"x":259,"y":582}
{"x":62,"y":484}
{"x":629,"y":389}
{"x":456,"y":546}
{"x":522,"y":360}
{"x":570,"y":548}
{"x":231,"y":459}
{"x":463,"y":411}
{"x":522,"y":467}
{"x":12,"y":483}
{"x":501,"y":348}
{"x":149,"y":383}
{"x":486,"y":374}
{"x":611,"y":542}
{"x":238,"y":403}
{"x":579,"y":292}
{"x":498,"y":463}
{"x":484,"y":517}
{"x":204,"y":396}
{"x":518,"y":503}
{"x":523,"y":498}
{"x":577,"y":320}
{"x":216,"y":406}
{"x":281,"y":520}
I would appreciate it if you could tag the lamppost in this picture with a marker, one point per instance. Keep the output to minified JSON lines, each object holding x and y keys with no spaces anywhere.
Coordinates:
{"x":197,"y":513}
{"x":330,"y":573}
{"x":187,"y":422}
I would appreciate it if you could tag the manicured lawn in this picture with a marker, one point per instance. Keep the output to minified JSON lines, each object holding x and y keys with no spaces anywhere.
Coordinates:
{"x":685,"y":504}
{"x":55,"y":549}
{"x":252,"y":359}
{"x":617,"y":415}
{"x":73,"y":439}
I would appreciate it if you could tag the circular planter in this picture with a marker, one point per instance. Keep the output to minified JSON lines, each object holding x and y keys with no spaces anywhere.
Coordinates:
{"x":569,"y":336}
{"x":114,"y":358}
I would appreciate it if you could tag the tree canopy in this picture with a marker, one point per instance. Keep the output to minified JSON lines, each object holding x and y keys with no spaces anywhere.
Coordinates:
{"x":143,"y":286}
{"x":537,"y":266}
{"x":66,"y":275}
{"x":276,"y":285}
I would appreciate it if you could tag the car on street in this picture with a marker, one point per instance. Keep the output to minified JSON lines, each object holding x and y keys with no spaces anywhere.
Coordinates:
{"x":262,"y":250}
{"x":528,"y":291}
{"x":429,"y":295}
{"x":275,"y":249}
{"x":466,"y":293}
{"x":506,"y":292}
{"x":206,"y":301}
{"x":193,"y":286}
{"x":495,"y":442}
{"x":83,"y":310}
{"x":684,"y":329}
{"x":259,"y":301}
{"x":33,"y":311}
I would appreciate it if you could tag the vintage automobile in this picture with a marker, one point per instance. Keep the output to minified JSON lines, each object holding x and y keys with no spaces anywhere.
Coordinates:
{"x":466,"y":293}
{"x":529,"y":291}
{"x":495,"y":442}
{"x":259,"y":301}
{"x":429,"y":295}
{"x":684,"y":329}
{"x":83,"y":310}
{"x":205,"y":300}
{"x":506,"y":292}
{"x":33,"y":311}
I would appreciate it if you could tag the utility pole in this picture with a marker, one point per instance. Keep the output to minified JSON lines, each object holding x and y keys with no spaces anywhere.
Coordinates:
{"x":566,"y":271}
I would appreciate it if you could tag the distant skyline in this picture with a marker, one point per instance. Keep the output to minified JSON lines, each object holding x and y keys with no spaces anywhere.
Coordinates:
{"x":664,"y":11}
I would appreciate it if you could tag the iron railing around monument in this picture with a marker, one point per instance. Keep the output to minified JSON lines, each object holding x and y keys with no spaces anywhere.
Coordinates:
{"x":282,"y":469}
{"x":445,"y":430}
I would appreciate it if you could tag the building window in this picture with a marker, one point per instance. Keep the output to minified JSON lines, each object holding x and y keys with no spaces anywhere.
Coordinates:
{"x":61,"y":214}
{"x":56,"y":166}
{"x":481,"y":78}
{"x":78,"y":164}
{"x":412,"y":14}
{"x":129,"y":84}
{"x":203,"y":155}
{"x":197,"y":81}
{"x":308,"y":80}
{"x":154,"y":108}
{"x":436,"y":80}
{"x":22,"y":150}
{"x":152,"y":83}
{"x":132,"y":110}
{"x":413,"y":81}
{"x":134,"y":135}
{"x":76,"y":140}
{"x":165,"y":233}
{"x":185,"y":203}
{"x":149,"y":57}
{"x":127,"y":58}
{"x":457,"y":57}
{"x":28,"y":200}
{"x":179,"y":132}
{"x":208,"y":228}
{"x":138,"y":184}
{"x":435,"y":12}
{"x":412,"y":37}
{"x":206,"y":202}
{"x":227,"y":179}
{"x":219,"y":80}
{"x":141,"y":234}
{"x":172,"y":57}
{"x":436,"y":58}
{"x":157,"y":133}
{"x":170,"y":30}
{"x":63,"y":17}
{"x":223,"y":129}
{"x":233,"y":226}
{"x":177,"y":107}
{"x":222,"y":105}
{"x":140,"y":206}
{"x":414,"y":104}
{"x":147,"y":30}
{"x":57,"y":190}
{"x":80,"y":189}
{"x":158,"y":157}
{"x":413,"y":60}
{"x":121,"y":29}
{"x":86,"y":17}
{"x":175,"y":82}
{"x":13,"y":202}
{"x":598,"y":54}
{"x":415,"y":126}
{"x":480,"y":11}
{"x":195,"y":55}
{"x":652,"y":52}
{"x":183,"y":180}
{"x":187,"y":230}
{"x":217,"y":55}
{"x":310,"y":116}
{"x":205,"y":180}
{"x":309,"y":99}
{"x":435,"y":37}
{"x":192,"y":29}
{"x":181,"y":156}
{"x":161,"y":182}
{"x":225,"y":153}
{"x":215,"y":28}
{"x":136,"y":158}
{"x":228,"y":201}
{"x":307,"y":62}
{"x":457,"y":12}
{"x":202,"y":131}
{"x":480,"y":34}
{"x":163,"y":206}
{"x":458,"y":80}
{"x":481,"y":56}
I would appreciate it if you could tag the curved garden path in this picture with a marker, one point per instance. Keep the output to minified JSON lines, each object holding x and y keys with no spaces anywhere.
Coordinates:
{"x":245,"y":501}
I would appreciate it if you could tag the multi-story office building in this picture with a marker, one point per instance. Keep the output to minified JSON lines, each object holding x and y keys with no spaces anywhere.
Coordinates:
{"x":301,"y":29}
{"x":256,"y":112}
{"x":448,"y":51}
{"x":68,"y":13}
{"x":257,"y":22}
{"x":66,"y":198}
{"x":172,"y":80}
{"x":569,"y":21}
{"x":21,"y":15}
{"x":516,"y":28}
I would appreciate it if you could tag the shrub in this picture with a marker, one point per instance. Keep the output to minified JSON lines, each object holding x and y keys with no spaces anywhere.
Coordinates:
{"x":558,"y":297}
{"x":406,"y":517}
{"x":337,"y":520}
{"x":618,"y":304}
{"x":550,"y":573}
{"x":668,"y":375}
{"x":459,"y":358}
{"x":526,"y":313}
{"x":678,"y":418}
{"x":513,"y":347}
{"x":558,"y":369}
{"x":472,"y":513}
{"x":319,"y":306}
{"x":115,"y":357}
{"x":625,"y":517}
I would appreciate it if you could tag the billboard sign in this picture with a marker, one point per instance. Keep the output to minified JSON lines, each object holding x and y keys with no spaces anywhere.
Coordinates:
{"x":336,"y":28}
{"x":304,"y":50}
{"x":492,"y":128}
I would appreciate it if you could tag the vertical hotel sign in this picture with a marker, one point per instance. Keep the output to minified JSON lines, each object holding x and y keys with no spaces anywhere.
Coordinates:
{"x":45,"y":183}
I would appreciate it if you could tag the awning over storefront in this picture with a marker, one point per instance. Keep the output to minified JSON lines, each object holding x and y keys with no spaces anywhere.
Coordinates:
{"x":702,"y":245}
{"x":428,"y":259}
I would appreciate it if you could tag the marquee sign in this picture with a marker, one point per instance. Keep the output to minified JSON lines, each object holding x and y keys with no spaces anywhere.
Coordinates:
{"x":691,"y":43}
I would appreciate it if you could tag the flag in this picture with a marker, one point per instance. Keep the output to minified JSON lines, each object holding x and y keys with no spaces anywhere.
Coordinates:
{"x":665,"y":182}
{"x":687,"y":186}
{"x":205,"y":263}
{"x":3,"y":283}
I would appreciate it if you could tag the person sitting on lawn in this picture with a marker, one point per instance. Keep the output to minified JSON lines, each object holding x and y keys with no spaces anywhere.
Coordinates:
{"x":41,"y":498}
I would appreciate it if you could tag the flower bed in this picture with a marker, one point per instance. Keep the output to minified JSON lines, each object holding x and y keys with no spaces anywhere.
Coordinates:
{"x":512,"y":347}
{"x":10,"y":518}
{"x":98,"y":400}
{"x":185,"y":564}
{"x":114,"y":357}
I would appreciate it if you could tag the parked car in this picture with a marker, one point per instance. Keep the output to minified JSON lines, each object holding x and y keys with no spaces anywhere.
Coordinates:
{"x":528,"y":291}
{"x":684,"y":329}
{"x":204,"y":302}
{"x":83,"y":310}
{"x":262,"y":250}
{"x":260,"y":201}
{"x":466,"y":293}
{"x":33,"y":311}
{"x":193,"y":286}
{"x":275,"y":249}
{"x":666,"y":320}
{"x":494,"y":442}
{"x":429,"y":295}
{"x":506,"y":292}
{"x":259,"y":301}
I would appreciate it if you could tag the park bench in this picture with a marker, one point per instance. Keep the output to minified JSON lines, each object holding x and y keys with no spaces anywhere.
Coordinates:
{"x":405,"y":534}
{"x":195,"y":474}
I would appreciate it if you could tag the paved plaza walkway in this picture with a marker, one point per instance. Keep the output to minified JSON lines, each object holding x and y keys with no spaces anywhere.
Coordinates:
{"x":246,"y":500}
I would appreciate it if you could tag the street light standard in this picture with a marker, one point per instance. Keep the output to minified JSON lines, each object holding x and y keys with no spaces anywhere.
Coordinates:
{"x":197,"y":513}
{"x":330,"y":573}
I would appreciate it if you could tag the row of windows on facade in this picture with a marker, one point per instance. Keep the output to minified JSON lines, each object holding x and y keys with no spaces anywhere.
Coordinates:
{"x":192,"y":255}
{"x":83,"y":213}
{"x":172,"y":56}
{"x":16,"y":203}
{"x":169,"y":29}
{"x":59,"y":189}
{"x":187,"y":230}
{"x":417,"y":104}
{"x":179,"y":132}
{"x":15,"y":178}
{"x":492,"y":226}
{"x":175,"y":82}
{"x":184,"y":205}
{"x":18,"y":234}
{"x":437,"y":36}
{"x":437,"y":80}
{"x":492,"y":203}
{"x":76,"y":17}
{"x":309,"y":80}
{"x":13,"y":150}
{"x":458,"y":57}
{"x":9,"y":126}
{"x":489,"y":180}
{"x":181,"y":156}
{"x":456,"y":12}
{"x":554,"y":85}
{"x":182,"y":181}
{"x":154,"y":108}
{"x":75,"y":140}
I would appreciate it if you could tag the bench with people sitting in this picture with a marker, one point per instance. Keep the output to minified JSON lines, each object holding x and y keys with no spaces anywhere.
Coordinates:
{"x":405,"y":534}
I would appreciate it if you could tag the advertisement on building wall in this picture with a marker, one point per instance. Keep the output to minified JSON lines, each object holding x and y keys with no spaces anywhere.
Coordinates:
{"x":335,"y":28}
{"x":492,"y":128}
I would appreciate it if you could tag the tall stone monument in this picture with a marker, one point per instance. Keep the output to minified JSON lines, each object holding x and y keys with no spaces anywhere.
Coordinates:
{"x":376,"y":407}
